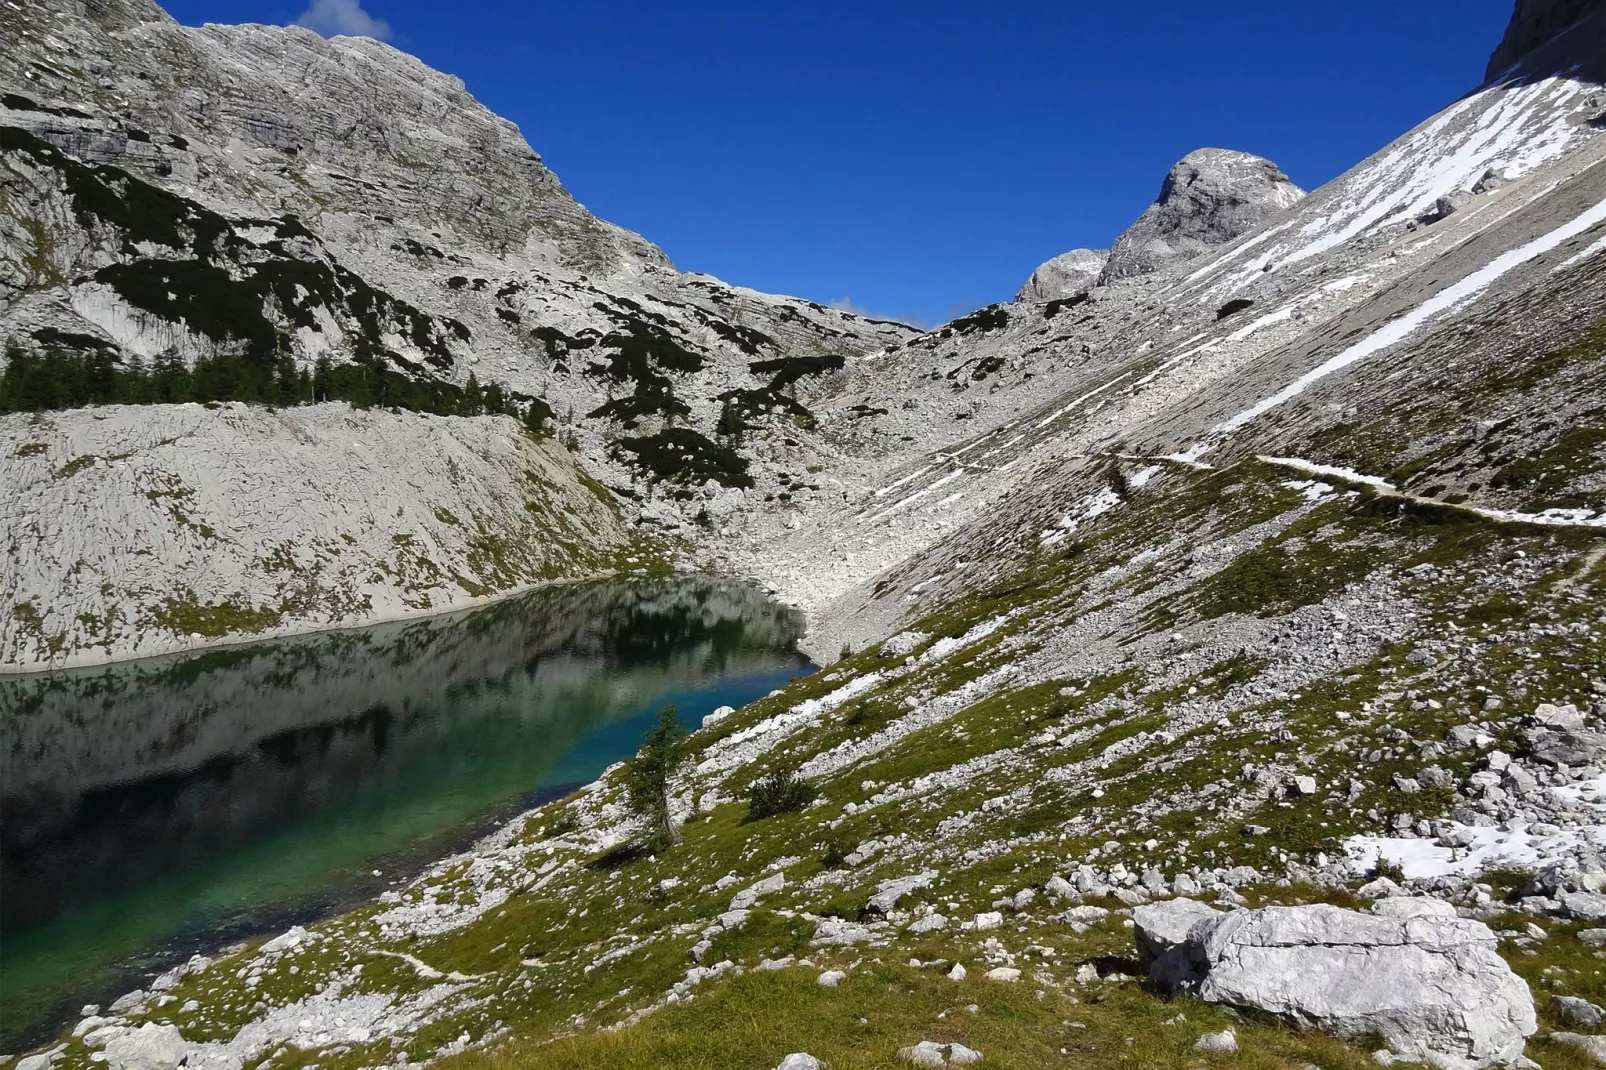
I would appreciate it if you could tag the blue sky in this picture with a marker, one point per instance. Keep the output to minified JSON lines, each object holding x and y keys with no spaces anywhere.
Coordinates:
{"x":917,"y":159}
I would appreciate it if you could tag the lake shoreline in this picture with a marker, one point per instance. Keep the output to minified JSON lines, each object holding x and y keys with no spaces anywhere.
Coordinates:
{"x":293,"y":630}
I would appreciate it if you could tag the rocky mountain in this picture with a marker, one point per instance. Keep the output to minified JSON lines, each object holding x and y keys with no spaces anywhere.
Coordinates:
{"x":254,"y":213}
{"x":1209,"y":198}
{"x":1065,"y":276}
{"x":1235,"y":622}
{"x":1538,"y":23}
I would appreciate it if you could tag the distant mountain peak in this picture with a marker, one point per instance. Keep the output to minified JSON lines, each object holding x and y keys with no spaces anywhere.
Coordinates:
{"x":1209,"y":198}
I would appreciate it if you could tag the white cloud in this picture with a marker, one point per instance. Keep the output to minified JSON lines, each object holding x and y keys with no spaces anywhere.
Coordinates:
{"x":334,"y":18}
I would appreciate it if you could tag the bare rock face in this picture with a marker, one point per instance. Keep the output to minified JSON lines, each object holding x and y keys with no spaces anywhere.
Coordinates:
{"x":1210,"y":197}
{"x":1064,"y":276}
{"x":1432,"y":986}
{"x":1535,"y":23}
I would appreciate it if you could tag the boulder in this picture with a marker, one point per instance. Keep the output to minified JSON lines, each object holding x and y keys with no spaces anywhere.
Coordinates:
{"x":834,"y":932}
{"x":1594,"y":1047}
{"x":1211,"y":197}
{"x":744,"y":899}
{"x":1412,"y":906}
{"x":1064,"y":276}
{"x":888,"y":892}
{"x":931,"y":1053}
{"x":1432,"y":986}
{"x":150,"y":1047}
{"x":1161,"y":927}
{"x":1579,"y":1012}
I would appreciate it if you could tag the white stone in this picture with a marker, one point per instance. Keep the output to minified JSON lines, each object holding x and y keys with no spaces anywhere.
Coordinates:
{"x":1433,"y":987}
{"x":800,"y":1061}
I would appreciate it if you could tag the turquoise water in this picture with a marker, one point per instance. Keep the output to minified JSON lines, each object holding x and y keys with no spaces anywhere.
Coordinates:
{"x":158,"y":808}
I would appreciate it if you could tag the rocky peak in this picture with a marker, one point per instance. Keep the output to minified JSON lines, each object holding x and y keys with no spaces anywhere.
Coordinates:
{"x":1211,"y":197}
{"x":1536,"y":23}
{"x":276,"y":117}
{"x":1064,"y":276}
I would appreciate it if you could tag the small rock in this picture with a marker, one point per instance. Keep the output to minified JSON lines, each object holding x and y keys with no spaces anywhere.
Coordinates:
{"x":959,"y":1055}
{"x":799,"y":1060}
{"x":1224,"y":1041}
{"x":1305,"y":785}
{"x":1592,"y":937}
{"x":958,"y":972}
{"x":831,"y":978}
{"x":925,"y":1053}
{"x":987,"y":921}
{"x":1005,"y":974}
{"x":1579,"y":1012}
{"x":1594,"y":1047}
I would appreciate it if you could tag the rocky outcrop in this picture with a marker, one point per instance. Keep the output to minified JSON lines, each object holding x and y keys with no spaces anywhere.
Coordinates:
{"x":1431,"y":984}
{"x":1211,"y":197}
{"x":1534,"y":24}
{"x":1064,"y":276}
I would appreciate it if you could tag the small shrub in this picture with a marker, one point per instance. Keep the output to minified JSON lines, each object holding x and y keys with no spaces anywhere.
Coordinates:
{"x":778,"y":793}
{"x":837,"y":849}
{"x":566,"y":822}
{"x":1387,"y":867}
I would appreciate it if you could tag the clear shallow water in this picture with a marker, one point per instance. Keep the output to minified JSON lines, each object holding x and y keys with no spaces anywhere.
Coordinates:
{"x":153,"y":809}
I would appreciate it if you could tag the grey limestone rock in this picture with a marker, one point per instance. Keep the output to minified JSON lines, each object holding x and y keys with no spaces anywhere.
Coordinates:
{"x":1064,"y":276}
{"x":1579,"y":1012}
{"x":1433,"y":987}
{"x":150,"y":1047}
{"x":1211,"y":197}
{"x":1594,"y":1047}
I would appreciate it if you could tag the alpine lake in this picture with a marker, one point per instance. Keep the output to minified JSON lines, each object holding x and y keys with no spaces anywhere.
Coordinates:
{"x":154,"y":809}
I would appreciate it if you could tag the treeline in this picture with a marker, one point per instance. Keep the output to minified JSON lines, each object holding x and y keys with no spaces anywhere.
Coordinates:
{"x":39,"y":380}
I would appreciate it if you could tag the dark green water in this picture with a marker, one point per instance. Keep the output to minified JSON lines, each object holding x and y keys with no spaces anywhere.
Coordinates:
{"x":158,"y":808}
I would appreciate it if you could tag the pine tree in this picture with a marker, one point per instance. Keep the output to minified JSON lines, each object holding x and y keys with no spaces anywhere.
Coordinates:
{"x":323,"y":379}
{"x":650,"y":776}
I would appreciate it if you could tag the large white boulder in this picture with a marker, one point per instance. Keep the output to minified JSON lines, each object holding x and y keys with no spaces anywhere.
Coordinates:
{"x":150,"y":1047}
{"x":1432,"y":986}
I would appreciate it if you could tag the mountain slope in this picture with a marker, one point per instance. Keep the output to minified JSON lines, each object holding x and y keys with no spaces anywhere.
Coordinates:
{"x":1271,"y":578}
{"x":257,"y":214}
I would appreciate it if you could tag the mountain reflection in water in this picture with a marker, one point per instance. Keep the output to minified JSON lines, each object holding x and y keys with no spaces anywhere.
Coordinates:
{"x":153,"y":808}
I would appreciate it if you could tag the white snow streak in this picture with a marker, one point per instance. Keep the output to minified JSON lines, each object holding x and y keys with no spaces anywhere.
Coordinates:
{"x":1397,"y":331}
